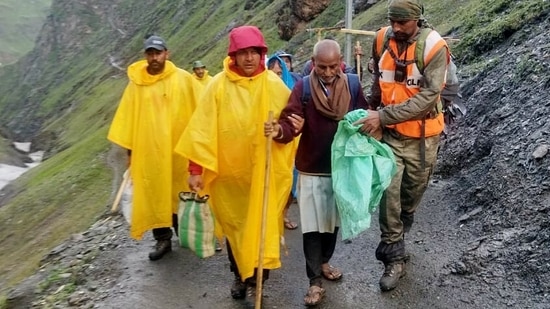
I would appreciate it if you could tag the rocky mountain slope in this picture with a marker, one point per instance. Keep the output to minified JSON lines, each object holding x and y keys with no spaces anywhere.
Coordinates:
{"x":20,"y":22}
{"x":62,"y":95}
{"x":499,"y":157}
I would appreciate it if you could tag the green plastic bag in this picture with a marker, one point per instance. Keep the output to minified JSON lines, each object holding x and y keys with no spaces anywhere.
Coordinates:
{"x":362,"y":168}
{"x":196,"y":224}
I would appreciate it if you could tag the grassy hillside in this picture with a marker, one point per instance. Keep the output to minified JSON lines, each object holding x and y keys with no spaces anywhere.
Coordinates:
{"x":74,"y":93}
{"x":20,"y":22}
{"x":68,"y":193}
{"x":67,"y":90}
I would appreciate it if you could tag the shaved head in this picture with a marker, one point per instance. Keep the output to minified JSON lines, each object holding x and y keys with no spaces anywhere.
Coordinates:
{"x":325,"y":48}
{"x":326,"y":60}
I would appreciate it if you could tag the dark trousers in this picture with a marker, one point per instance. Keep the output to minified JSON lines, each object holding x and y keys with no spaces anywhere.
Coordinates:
{"x":233,"y":267}
{"x":165,"y":233}
{"x":318,"y":250}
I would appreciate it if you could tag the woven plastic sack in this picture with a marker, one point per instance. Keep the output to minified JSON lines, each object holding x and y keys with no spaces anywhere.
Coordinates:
{"x":362,"y":168}
{"x":196,"y":224}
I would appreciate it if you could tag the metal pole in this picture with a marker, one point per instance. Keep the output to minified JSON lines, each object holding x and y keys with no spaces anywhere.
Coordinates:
{"x":349,"y":16}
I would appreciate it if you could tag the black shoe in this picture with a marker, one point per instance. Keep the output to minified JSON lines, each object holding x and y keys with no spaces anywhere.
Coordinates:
{"x":161,"y":248}
{"x":238,"y":289}
{"x":251,"y":297}
{"x":392,"y":273}
{"x":407,"y":257}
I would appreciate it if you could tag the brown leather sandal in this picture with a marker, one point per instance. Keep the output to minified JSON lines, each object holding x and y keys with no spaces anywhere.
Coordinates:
{"x":331,"y":273}
{"x":314,"y":295}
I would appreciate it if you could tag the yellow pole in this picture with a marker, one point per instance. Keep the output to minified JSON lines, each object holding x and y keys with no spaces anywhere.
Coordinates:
{"x":354,"y":31}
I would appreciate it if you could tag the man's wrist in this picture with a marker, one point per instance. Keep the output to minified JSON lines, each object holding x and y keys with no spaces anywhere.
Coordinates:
{"x":381,"y":117}
{"x":279,"y":134}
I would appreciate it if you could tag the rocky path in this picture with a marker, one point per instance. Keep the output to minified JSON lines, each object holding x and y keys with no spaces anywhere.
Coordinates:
{"x":103,"y":268}
{"x":181,"y":280}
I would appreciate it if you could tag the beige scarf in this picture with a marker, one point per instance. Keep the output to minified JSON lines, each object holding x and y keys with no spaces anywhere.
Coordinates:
{"x":336,"y":105}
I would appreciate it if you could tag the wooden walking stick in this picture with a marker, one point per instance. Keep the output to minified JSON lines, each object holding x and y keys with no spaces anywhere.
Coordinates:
{"x":260,"y":270}
{"x":358,"y":53}
{"x":116,"y":202}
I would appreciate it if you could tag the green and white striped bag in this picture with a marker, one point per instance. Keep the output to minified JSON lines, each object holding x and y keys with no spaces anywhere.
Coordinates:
{"x":196,"y":224}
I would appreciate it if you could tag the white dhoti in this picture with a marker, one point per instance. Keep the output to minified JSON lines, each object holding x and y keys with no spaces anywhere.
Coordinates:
{"x":318,"y":211}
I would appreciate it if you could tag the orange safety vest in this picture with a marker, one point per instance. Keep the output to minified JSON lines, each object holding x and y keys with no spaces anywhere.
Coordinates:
{"x":394,"y":92}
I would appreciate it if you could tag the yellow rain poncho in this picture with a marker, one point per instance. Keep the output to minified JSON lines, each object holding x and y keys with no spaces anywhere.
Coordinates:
{"x":152,"y":114}
{"x":205,"y":78}
{"x":225,"y":136}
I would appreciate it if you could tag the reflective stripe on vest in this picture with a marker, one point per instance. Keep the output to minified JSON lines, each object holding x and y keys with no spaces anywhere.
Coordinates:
{"x":395,"y":93}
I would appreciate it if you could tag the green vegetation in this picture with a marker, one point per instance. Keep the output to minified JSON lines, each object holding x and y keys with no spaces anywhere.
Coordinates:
{"x":65,"y":195}
{"x":20,"y":22}
{"x":4,"y":150}
{"x":486,"y":24}
{"x":55,"y":277}
{"x":75,"y":92}
{"x":63,"y":282}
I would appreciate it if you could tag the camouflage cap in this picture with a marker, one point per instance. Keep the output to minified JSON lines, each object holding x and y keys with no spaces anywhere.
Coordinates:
{"x":198,"y":64}
{"x":403,"y":10}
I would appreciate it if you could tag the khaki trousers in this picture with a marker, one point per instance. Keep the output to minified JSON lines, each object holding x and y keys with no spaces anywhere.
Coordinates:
{"x":402,"y":197}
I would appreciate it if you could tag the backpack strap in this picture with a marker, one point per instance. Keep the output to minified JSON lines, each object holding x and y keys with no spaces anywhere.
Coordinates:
{"x":419,"y":49}
{"x":353,"y":84}
{"x":306,"y":90}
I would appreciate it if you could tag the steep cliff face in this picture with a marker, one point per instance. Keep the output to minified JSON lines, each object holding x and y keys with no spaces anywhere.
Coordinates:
{"x":294,"y":15}
{"x":83,"y":43}
{"x":20,"y":22}
{"x":499,"y":157}
{"x":66,"y":39}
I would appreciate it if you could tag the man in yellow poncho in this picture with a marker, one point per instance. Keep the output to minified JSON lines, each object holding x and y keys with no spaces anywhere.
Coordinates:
{"x":155,"y":108}
{"x":225,"y":143}
{"x":201,"y":73}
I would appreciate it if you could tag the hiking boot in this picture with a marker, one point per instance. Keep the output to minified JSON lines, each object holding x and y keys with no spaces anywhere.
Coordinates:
{"x":238,"y":289}
{"x":392,"y":273}
{"x":161,"y":248}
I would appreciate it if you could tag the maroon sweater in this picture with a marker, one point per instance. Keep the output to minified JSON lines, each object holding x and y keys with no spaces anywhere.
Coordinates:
{"x":313,"y":156}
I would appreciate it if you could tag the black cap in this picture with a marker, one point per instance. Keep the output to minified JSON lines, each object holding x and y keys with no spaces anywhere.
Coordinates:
{"x":155,"y":42}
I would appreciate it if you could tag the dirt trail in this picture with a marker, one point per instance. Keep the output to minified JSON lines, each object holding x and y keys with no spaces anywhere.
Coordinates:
{"x":181,"y":280}
{"x":103,"y":268}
